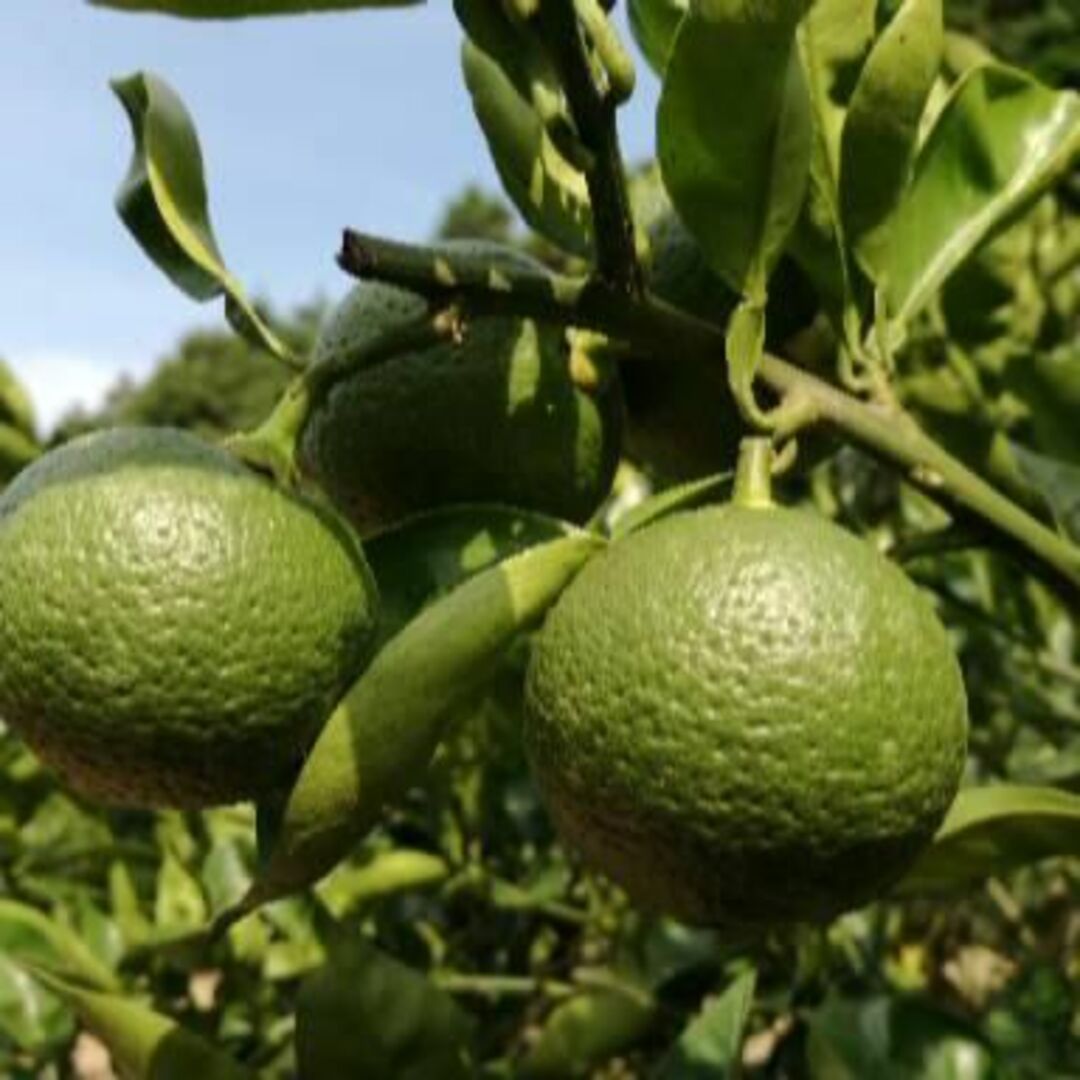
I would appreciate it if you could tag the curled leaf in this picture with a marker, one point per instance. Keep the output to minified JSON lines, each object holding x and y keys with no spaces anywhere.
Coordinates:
{"x":163,"y":202}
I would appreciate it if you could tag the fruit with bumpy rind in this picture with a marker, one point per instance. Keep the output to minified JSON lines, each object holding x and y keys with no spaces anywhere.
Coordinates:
{"x":746,"y":717}
{"x":511,"y":415}
{"x":174,"y":629}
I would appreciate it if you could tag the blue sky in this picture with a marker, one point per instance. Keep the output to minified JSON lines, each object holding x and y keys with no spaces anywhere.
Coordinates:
{"x":307,"y":124}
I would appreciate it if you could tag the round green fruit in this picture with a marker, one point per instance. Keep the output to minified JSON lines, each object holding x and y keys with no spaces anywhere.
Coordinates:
{"x":509,"y":416}
{"x":745,"y":716}
{"x":173,"y":628}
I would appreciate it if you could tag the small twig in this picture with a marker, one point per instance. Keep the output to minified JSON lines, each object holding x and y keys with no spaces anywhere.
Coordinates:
{"x":500,"y":985}
{"x":594,"y":114}
{"x":656,"y":327}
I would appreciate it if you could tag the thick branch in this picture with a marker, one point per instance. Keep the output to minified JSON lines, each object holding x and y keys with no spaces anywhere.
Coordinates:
{"x":594,"y":115}
{"x":676,"y":337}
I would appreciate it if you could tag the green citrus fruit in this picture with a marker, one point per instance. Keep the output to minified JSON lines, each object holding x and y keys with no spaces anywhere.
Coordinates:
{"x":745,"y":716}
{"x":173,"y":628}
{"x":504,"y":417}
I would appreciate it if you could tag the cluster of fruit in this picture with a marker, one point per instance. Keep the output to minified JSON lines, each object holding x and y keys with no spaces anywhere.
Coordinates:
{"x":742,"y":714}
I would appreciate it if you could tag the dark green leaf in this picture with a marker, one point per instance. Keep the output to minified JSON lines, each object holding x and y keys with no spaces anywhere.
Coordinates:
{"x":549,"y":191}
{"x":1058,"y":482}
{"x":882,"y":126}
{"x":163,"y":202}
{"x":833,"y":41}
{"x":585,"y":1031}
{"x":710,"y":1046}
{"x":999,"y":141}
{"x":426,"y":556}
{"x":893,"y":1039}
{"x":735,"y":132}
{"x":380,"y":739}
{"x":16,"y":409}
{"x":239,"y":9}
{"x":364,"y":1014}
{"x":653,"y":24}
{"x":992,"y":830}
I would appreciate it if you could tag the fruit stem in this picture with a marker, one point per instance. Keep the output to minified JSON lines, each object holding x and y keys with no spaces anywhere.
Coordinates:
{"x":753,"y":473}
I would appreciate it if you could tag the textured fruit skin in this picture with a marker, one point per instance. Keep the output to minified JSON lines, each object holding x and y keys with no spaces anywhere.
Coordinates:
{"x":173,"y":628}
{"x":745,"y":716}
{"x":498,"y":418}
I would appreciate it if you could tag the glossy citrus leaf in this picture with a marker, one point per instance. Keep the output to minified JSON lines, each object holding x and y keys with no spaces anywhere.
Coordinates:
{"x":893,"y":1039}
{"x":163,"y":202}
{"x":585,"y":1031}
{"x":992,"y":830}
{"x":833,"y":40}
{"x":30,"y":1017}
{"x":1000,"y":140}
{"x":653,"y":24}
{"x":27,"y":934}
{"x":365,"y":1014}
{"x":881,"y":130}
{"x":385,"y":874}
{"x":734,"y":132}
{"x":145,"y":1045}
{"x":425,"y":556}
{"x":711,"y":1044}
{"x":550,"y":193}
{"x":239,"y":9}
{"x":380,"y":739}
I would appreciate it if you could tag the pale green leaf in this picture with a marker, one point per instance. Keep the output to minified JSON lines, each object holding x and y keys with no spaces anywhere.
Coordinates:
{"x":711,"y":1044}
{"x":549,"y":191}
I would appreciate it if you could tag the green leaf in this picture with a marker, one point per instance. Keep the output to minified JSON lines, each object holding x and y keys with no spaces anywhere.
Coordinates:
{"x":993,"y":830}
{"x":654,"y":24}
{"x":364,"y":1014}
{"x":16,"y":409}
{"x":735,"y":132}
{"x":833,"y":41}
{"x":882,"y":126}
{"x":711,"y":1044}
{"x":587,"y":1030}
{"x":549,"y":191}
{"x":672,"y":500}
{"x":425,"y":556}
{"x":27,"y":934}
{"x":17,"y":450}
{"x":386,"y":874}
{"x":163,"y":202}
{"x":30,"y":1017}
{"x":381,"y":738}
{"x":1058,"y":482}
{"x":893,"y":1039}
{"x":239,"y":9}
{"x":999,"y":142}
{"x":144,"y":1044}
